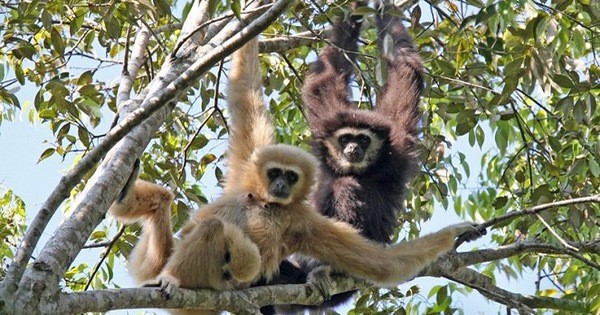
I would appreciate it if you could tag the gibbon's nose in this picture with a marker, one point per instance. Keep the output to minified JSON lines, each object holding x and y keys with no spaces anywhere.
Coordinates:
{"x":279,"y":189}
{"x":354,"y":153}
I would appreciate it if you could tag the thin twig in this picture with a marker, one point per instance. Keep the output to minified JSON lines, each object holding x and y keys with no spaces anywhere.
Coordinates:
{"x":103,"y":257}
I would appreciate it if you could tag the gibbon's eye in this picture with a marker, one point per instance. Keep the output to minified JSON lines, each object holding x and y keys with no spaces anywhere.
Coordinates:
{"x":344,"y":139}
{"x":291,"y":177}
{"x":363,"y":140}
{"x":273,"y":173}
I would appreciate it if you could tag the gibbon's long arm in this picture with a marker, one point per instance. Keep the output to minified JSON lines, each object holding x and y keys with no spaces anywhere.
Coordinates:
{"x":340,"y":245}
{"x":149,"y":204}
{"x":325,"y":90}
{"x":399,"y":97}
{"x":251,"y":125}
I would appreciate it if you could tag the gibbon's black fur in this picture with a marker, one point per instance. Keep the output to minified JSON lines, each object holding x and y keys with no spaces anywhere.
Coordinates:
{"x":370,"y":197}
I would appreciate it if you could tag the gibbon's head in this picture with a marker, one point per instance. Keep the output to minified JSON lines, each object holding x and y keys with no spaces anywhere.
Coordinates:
{"x":281,"y":174}
{"x":354,"y":140}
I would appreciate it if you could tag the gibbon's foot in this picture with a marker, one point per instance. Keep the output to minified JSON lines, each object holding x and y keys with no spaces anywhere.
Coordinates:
{"x":468,"y":231}
{"x":320,"y":278}
{"x":167,"y":284}
{"x":226,"y":267}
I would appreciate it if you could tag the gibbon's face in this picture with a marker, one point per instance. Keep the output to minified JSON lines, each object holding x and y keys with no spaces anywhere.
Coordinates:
{"x":353,"y":149}
{"x":283,"y":181}
{"x":281,"y":173}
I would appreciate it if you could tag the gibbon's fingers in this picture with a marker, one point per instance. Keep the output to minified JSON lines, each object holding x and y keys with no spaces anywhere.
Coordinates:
{"x":320,"y":277}
{"x":168,"y":284}
{"x":469,"y":233}
{"x":251,"y":125}
{"x":126,"y":191}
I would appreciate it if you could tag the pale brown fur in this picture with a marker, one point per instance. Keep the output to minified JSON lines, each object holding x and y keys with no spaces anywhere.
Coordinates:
{"x":280,"y":226}
{"x":149,"y":204}
{"x":208,"y":250}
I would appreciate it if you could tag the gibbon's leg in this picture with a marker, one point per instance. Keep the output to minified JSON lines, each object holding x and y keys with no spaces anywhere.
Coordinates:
{"x":150,"y":204}
{"x":213,"y":254}
{"x":251,"y":125}
{"x":340,"y":245}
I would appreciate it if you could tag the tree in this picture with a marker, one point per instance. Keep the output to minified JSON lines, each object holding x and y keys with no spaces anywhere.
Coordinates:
{"x":520,"y":78}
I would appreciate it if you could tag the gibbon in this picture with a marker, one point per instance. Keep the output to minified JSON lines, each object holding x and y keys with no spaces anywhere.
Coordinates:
{"x":231,"y":258}
{"x":367,"y":157}
{"x":266,"y":199}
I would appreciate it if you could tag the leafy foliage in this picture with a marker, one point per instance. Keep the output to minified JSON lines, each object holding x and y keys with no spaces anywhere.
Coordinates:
{"x":12,"y":225}
{"x":517,"y":81}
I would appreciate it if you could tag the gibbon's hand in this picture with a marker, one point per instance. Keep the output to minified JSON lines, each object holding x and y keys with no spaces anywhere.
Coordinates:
{"x":320,"y":278}
{"x":167,"y":284}
{"x":467,"y":231}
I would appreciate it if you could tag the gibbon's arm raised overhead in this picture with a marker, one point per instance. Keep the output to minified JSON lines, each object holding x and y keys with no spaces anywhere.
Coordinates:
{"x":399,"y":97}
{"x":251,"y":125}
{"x":325,"y":90}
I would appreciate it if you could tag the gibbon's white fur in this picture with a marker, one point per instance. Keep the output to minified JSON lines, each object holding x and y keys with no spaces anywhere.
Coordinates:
{"x":336,"y":149}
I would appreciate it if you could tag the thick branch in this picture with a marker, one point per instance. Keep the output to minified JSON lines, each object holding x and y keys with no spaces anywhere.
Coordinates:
{"x":245,"y":301}
{"x":132,"y":65}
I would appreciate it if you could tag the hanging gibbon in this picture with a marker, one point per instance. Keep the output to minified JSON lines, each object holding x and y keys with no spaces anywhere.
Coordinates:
{"x":266,"y":206}
{"x":367,"y":157}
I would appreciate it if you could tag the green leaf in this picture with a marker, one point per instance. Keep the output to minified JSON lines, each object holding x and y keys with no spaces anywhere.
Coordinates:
{"x":236,"y":7}
{"x":563,"y":80}
{"x":57,"y":41}
{"x":594,"y":167}
{"x":47,"y":153}
{"x":48,"y":113}
{"x":500,"y":202}
{"x":83,"y":136}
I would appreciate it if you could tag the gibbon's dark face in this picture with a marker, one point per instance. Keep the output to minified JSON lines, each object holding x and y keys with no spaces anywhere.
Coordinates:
{"x":353,"y":149}
{"x":282,"y":181}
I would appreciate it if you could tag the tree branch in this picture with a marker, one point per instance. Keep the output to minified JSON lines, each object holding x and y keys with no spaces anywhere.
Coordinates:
{"x":246,"y":301}
{"x":132,"y":65}
{"x":539,"y":208}
{"x":533,"y":211}
{"x":459,"y":260}
{"x":523,"y":302}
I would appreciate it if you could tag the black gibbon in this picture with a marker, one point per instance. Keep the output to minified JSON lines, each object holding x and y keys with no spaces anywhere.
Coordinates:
{"x":266,"y":200}
{"x":366,"y":157}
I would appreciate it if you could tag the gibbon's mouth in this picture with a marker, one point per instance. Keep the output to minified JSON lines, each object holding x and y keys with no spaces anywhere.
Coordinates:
{"x":354,"y":156}
{"x":354,"y":153}
{"x":279,"y":191}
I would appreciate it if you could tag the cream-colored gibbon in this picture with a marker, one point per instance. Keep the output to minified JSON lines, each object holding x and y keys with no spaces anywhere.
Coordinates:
{"x":266,"y":199}
{"x":367,"y":157}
